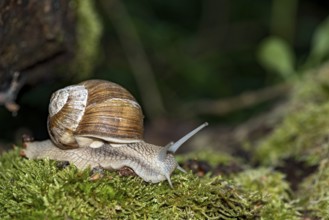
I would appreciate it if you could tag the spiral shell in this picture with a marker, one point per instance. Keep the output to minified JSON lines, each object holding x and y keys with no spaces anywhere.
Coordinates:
{"x":94,"y":110}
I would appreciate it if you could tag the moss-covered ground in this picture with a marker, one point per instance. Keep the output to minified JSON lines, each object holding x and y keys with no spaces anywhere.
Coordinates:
{"x":303,"y":138}
{"x":42,"y":190}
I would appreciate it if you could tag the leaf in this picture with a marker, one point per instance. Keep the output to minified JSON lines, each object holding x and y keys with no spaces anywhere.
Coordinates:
{"x":276,"y":55}
{"x":320,"y":42}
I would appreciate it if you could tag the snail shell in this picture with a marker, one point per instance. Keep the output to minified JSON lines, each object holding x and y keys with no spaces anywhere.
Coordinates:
{"x":91,"y":110}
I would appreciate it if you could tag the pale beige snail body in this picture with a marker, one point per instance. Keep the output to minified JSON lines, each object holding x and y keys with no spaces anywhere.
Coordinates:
{"x":99,"y":123}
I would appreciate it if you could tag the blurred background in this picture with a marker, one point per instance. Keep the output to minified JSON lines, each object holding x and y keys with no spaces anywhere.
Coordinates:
{"x":186,"y":62}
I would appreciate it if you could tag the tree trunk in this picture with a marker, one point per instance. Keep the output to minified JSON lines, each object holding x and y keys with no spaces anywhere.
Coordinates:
{"x":34,"y":35}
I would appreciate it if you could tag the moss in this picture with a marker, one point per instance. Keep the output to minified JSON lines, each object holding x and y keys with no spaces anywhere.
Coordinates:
{"x":89,"y":30}
{"x":303,"y":132}
{"x":41,"y":190}
{"x":313,"y":88}
{"x":275,"y":191}
{"x":302,"y":135}
{"x":314,"y":194}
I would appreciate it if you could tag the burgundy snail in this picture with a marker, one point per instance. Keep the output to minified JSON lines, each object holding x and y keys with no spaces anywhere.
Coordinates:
{"x":99,"y":123}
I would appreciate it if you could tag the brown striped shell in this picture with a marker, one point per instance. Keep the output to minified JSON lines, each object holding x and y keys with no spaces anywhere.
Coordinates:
{"x":91,"y":111}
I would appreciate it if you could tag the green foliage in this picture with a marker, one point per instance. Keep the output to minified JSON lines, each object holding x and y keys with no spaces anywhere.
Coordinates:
{"x":320,"y":43}
{"x":314,"y":194}
{"x":184,"y":44}
{"x":276,"y":55}
{"x":40,"y":190}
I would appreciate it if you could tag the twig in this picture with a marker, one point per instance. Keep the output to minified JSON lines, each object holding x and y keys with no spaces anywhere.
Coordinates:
{"x":133,"y":48}
{"x":247,"y":99}
{"x":7,"y":98}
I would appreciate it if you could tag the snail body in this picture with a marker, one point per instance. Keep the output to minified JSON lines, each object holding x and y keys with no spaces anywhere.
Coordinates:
{"x":99,"y":123}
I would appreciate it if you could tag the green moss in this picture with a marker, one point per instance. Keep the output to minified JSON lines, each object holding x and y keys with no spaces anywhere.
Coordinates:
{"x":303,"y":132}
{"x":302,"y":135}
{"x":275,"y":192}
{"x":314,"y":194}
{"x":40,"y":190}
{"x":89,"y":30}
{"x":313,"y":88}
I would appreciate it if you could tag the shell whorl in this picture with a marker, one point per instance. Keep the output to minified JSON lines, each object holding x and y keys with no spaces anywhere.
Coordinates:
{"x":94,"y":109}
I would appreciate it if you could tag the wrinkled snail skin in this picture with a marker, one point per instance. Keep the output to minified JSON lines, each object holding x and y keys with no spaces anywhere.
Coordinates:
{"x":141,"y":157}
{"x":99,"y":124}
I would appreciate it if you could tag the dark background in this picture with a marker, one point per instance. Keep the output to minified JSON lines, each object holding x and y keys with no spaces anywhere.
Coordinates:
{"x":193,"y":51}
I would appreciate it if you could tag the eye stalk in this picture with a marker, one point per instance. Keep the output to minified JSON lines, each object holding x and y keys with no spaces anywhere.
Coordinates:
{"x":173,"y":147}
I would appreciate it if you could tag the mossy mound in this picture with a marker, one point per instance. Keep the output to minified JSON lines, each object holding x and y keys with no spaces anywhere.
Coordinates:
{"x":275,"y":191}
{"x":303,"y":135}
{"x":313,"y":88}
{"x":39,"y":189}
{"x":314,"y":194}
{"x":303,"y":132}
{"x":302,"y":138}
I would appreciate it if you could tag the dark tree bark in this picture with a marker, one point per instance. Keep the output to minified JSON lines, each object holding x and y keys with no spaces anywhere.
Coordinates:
{"x":34,"y":35}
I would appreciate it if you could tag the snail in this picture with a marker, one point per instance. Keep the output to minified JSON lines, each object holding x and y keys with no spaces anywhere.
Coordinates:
{"x":98,"y":123}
